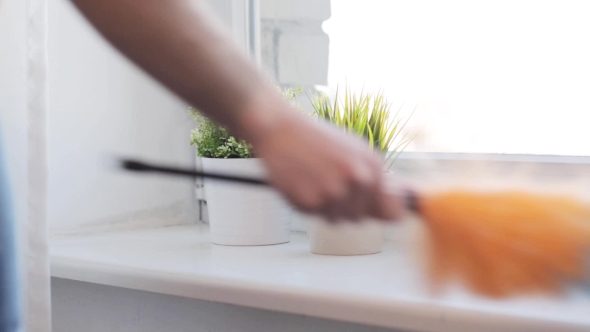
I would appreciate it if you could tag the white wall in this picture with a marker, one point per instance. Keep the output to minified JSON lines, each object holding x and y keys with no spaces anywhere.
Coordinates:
{"x":101,"y":106}
{"x":79,"y":306}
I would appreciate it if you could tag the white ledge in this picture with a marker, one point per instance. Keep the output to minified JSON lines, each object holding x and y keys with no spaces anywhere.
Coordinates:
{"x":382,"y":290}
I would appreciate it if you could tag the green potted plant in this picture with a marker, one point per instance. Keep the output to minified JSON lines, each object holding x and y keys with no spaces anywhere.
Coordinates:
{"x":238,"y":214}
{"x":370,"y":116}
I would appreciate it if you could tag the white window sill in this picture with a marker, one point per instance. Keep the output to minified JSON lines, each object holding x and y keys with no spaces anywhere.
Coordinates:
{"x":383,"y":290}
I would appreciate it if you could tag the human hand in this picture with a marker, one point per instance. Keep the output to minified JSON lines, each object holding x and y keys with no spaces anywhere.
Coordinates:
{"x":323,"y":170}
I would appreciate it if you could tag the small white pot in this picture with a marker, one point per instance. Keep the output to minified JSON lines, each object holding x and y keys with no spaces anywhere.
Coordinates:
{"x":345,"y":238}
{"x":244,"y":215}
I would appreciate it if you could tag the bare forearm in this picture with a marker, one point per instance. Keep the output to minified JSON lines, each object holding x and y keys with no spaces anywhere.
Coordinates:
{"x":178,"y":43}
{"x":318,"y":168}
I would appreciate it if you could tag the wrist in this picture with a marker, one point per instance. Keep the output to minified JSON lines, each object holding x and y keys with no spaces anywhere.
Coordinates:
{"x":263,"y":116}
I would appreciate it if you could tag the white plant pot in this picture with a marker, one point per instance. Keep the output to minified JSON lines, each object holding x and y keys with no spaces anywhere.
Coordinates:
{"x":345,"y":238}
{"x":244,"y":215}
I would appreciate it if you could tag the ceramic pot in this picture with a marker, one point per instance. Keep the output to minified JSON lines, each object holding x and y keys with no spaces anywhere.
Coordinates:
{"x":345,"y":238}
{"x":244,"y":215}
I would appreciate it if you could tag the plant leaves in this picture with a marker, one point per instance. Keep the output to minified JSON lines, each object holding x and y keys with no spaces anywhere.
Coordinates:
{"x":367,"y":115}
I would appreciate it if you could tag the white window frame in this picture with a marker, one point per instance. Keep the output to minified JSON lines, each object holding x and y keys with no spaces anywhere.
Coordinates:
{"x":242,"y":17}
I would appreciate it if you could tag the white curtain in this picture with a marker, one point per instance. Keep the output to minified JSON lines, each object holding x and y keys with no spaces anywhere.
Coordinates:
{"x":23,"y":62}
{"x":38,"y":299}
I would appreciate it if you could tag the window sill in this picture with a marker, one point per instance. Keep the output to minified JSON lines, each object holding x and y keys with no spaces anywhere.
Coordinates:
{"x":382,"y":290}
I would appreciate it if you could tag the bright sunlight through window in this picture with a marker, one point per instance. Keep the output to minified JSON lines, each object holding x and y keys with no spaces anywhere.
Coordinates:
{"x":487,"y":76}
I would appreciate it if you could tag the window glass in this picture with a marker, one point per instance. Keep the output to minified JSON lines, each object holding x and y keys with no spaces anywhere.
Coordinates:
{"x":486,"y":76}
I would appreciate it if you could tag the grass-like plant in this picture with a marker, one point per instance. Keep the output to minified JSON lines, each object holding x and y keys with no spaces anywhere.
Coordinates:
{"x":215,"y":141}
{"x":369,"y":116}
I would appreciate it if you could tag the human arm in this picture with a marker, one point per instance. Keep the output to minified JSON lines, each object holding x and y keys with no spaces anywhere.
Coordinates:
{"x":318,"y":168}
